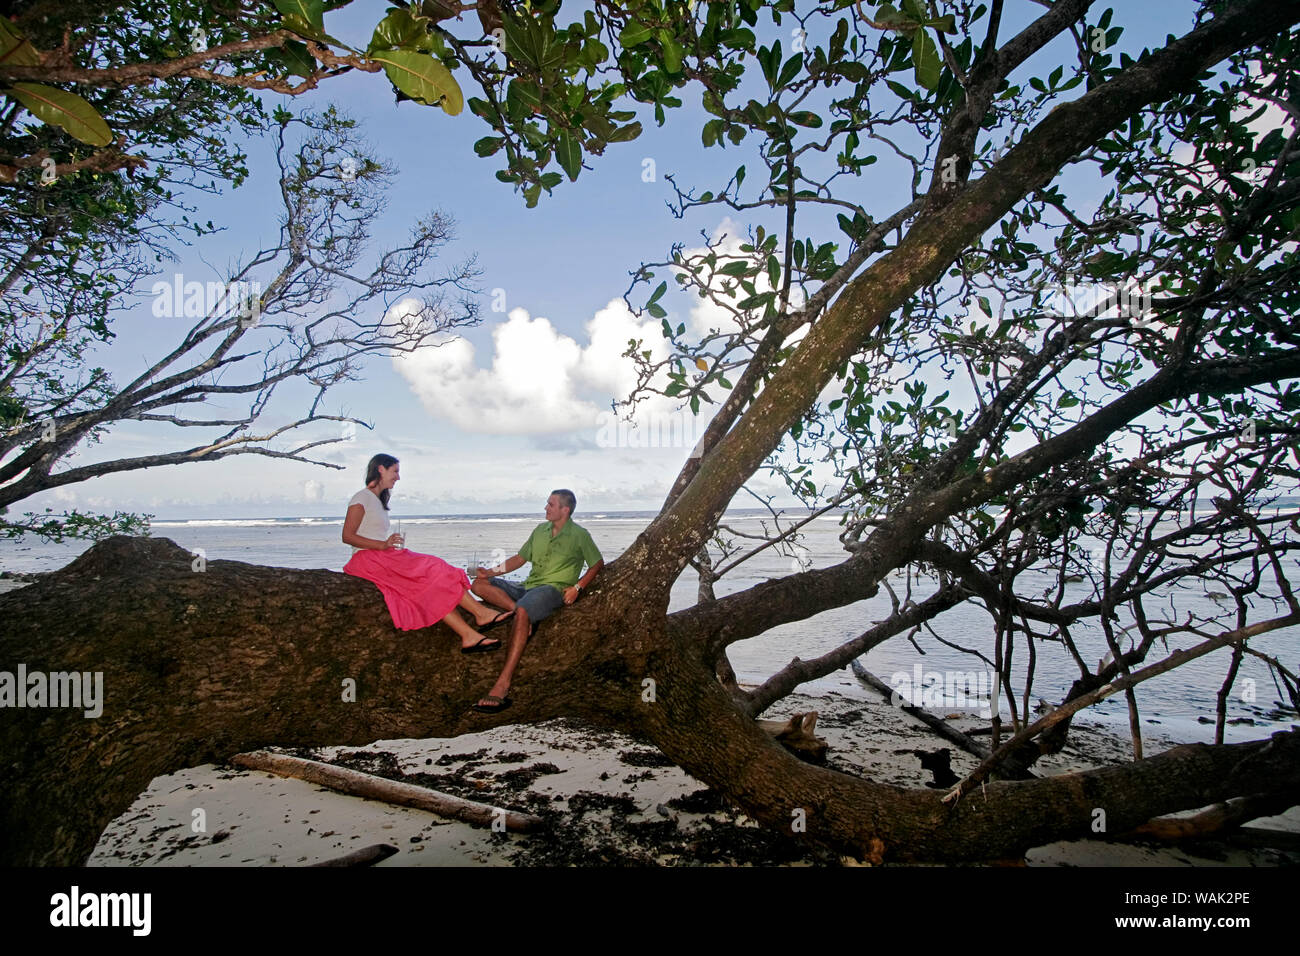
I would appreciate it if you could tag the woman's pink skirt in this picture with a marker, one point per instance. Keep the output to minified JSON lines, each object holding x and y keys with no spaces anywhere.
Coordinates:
{"x":419,"y":589}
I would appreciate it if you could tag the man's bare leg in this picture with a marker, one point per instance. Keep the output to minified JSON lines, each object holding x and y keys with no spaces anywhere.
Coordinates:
{"x":518,"y":641}
{"x":489,"y":592}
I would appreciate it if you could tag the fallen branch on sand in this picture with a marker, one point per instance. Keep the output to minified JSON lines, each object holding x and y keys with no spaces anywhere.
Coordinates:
{"x":358,"y":784}
{"x":366,"y":856}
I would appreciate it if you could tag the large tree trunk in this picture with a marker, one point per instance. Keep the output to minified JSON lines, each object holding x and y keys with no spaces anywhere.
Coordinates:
{"x":200,"y":665}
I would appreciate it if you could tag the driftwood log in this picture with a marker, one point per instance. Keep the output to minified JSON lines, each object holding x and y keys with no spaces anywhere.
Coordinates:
{"x":358,"y":784}
{"x":937,"y":724}
{"x":366,"y":856}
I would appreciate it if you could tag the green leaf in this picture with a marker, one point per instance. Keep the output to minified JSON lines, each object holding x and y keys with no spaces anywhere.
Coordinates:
{"x":422,"y":78}
{"x":838,"y":38}
{"x":523,"y":40}
{"x":533,"y":135}
{"x":672,"y":52}
{"x":913,"y":9}
{"x":15,"y":49}
{"x":61,"y":108}
{"x":889,"y":18}
{"x":769,"y":58}
{"x":790,"y":70}
{"x":489,"y":145}
{"x":551,"y":55}
{"x":625,"y":134}
{"x":901,"y":91}
{"x":523,"y":97}
{"x":304,"y":17}
{"x":594,"y":53}
{"x":634,"y":34}
{"x":295,"y":59}
{"x":401,"y":31}
{"x":569,"y":152}
{"x":313,"y":11}
{"x":925,"y":60}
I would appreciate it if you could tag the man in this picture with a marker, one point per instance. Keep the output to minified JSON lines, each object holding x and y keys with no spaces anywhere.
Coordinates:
{"x":558,"y":549}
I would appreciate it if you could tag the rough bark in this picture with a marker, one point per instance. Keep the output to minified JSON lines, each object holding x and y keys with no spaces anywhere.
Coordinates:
{"x":200,"y":665}
{"x":1218,"y":819}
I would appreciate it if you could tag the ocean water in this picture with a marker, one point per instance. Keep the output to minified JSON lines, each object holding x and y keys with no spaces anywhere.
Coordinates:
{"x":921,"y":667}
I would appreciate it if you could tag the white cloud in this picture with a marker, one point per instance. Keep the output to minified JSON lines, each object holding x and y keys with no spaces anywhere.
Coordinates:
{"x":527,"y":389}
{"x":603,"y":367}
{"x":540,"y":381}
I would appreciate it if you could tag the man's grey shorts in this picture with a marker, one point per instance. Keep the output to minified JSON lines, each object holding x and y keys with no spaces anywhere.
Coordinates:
{"x":539,"y":602}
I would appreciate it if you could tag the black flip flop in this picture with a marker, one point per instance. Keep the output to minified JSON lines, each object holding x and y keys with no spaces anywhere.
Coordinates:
{"x":499,"y":619}
{"x":479,"y":647}
{"x":501,"y":704}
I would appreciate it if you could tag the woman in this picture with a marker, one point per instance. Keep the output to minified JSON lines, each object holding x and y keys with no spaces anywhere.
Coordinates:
{"x":419,"y":589}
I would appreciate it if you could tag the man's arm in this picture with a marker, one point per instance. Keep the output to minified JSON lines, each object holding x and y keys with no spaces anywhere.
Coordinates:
{"x":510,"y":564}
{"x":571,"y":594}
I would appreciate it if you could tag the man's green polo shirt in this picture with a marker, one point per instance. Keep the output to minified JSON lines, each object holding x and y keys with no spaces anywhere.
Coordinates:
{"x":558,"y":560}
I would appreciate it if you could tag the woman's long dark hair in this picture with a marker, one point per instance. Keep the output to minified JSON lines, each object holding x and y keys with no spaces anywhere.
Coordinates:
{"x":372,"y":475}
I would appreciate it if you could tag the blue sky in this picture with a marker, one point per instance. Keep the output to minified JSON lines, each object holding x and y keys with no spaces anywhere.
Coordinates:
{"x":492,"y":423}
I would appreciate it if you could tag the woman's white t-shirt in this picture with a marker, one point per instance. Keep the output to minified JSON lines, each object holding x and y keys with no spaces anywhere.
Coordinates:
{"x":374,"y":524}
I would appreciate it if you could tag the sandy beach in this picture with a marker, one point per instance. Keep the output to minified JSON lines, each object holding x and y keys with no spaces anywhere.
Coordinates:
{"x":609,"y":801}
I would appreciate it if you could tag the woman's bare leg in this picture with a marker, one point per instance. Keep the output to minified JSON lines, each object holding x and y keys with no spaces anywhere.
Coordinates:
{"x":482,"y":613}
{"x":468,"y":636}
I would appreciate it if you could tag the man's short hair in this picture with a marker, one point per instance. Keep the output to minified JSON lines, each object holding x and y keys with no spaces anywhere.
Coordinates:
{"x":567,"y":498}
